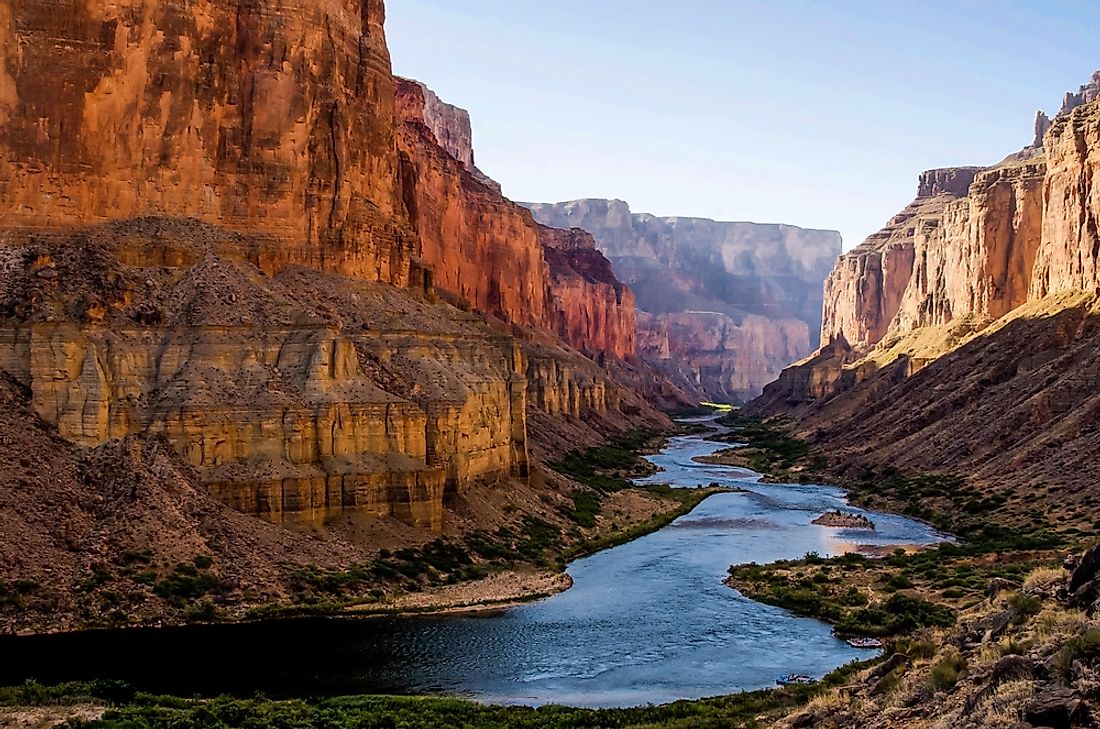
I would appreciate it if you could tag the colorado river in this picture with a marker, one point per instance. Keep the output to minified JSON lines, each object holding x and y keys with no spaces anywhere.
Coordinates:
{"x":646,"y":622}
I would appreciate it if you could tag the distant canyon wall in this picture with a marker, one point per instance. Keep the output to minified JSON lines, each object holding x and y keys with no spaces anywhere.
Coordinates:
{"x":490,"y":251}
{"x":723,"y":307}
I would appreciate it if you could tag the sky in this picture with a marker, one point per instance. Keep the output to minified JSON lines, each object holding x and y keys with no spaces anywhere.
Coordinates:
{"x":809,"y":112}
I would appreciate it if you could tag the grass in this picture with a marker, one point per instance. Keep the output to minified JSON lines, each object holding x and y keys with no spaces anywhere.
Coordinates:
{"x":135,"y":710}
{"x":947,"y":671}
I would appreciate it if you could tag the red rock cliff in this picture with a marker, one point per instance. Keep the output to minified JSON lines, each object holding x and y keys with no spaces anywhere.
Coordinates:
{"x":489,"y":251}
{"x":963,"y":256}
{"x":260,"y":117}
{"x":591,"y":309}
{"x":864,"y":291}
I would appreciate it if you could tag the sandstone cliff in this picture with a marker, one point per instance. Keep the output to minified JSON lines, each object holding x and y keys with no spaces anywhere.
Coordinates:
{"x":590,"y":308}
{"x":982,"y":362}
{"x":296,"y":396}
{"x":489,"y":251}
{"x":863,"y":292}
{"x":223,"y":223}
{"x":250,"y":116}
{"x":726,"y":305}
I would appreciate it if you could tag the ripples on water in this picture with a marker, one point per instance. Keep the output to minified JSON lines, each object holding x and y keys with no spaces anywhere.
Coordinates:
{"x":647,"y":622}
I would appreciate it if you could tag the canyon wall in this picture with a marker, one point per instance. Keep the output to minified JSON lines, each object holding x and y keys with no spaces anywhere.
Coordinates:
{"x":273,"y":118}
{"x":300,"y":396}
{"x":863,"y":292}
{"x":1070,"y":245}
{"x":964,"y":247}
{"x":489,"y":251}
{"x":224,"y":224}
{"x":590,"y":308}
{"x":722,"y":306}
{"x":988,"y":365}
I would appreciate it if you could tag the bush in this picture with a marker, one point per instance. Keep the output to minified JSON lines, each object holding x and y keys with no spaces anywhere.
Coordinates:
{"x":947,"y":672}
{"x":186,"y":582}
{"x":1023,"y":606}
{"x":586,"y":506}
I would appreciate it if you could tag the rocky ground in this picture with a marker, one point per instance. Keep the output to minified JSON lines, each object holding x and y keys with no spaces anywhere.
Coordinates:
{"x":843,"y":520}
{"x":121,"y":534}
{"x":1028,"y":656}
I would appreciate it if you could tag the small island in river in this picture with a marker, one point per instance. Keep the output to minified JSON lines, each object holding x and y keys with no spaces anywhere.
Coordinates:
{"x":838,"y":518}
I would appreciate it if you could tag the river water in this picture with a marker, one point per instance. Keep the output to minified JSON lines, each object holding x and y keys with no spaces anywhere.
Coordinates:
{"x":646,"y":622}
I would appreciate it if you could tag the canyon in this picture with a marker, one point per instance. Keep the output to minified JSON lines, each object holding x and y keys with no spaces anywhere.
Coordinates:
{"x":722,"y":307}
{"x":236,"y":240}
{"x":961,"y":337}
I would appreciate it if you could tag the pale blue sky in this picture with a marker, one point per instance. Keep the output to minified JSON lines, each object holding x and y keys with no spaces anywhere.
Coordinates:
{"x":818,"y":114}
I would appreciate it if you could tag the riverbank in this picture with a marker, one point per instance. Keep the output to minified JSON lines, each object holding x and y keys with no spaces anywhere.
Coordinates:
{"x":510,"y":588}
{"x":647,"y":581}
{"x":873,"y":591}
{"x":110,"y":705}
{"x":495,"y":537}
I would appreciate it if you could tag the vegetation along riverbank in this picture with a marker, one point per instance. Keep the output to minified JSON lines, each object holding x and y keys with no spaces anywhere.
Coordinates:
{"x":992,"y":626}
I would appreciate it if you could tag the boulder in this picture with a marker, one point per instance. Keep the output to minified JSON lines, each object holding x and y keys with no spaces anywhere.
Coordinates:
{"x":1057,"y":708}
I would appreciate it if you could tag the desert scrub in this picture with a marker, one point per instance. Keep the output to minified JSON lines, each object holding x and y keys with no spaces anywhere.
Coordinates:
{"x":1044,"y":579}
{"x":769,"y":448}
{"x":187,"y":581}
{"x":1023,"y":606}
{"x":947,"y":671}
{"x":610,"y":466}
{"x":822,"y":588}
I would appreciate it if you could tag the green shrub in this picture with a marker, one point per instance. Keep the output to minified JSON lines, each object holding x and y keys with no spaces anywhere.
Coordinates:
{"x":586,"y":506}
{"x":1023,"y":606}
{"x":947,"y":672}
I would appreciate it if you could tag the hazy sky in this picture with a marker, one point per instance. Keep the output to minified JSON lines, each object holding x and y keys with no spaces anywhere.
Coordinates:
{"x":810,"y":112}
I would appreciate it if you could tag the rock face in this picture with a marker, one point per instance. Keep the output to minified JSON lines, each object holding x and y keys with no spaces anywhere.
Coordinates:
{"x":726,"y":305}
{"x":449,"y":125}
{"x":977,"y":261}
{"x":490,"y":252}
{"x":483,"y":248}
{"x":221,"y":223}
{"x":300,"y":396}
{"x":985,"y":364}
{"x":591,"y":309}
{"x":863,"y":293}
{"x":250,"y":116}
{"x":1088,"y":92}
{"x":1068,"y":253}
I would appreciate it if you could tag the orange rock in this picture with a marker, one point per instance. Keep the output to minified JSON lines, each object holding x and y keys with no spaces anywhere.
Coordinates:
{"x":489,"y":251}
{"x":264,"y":119}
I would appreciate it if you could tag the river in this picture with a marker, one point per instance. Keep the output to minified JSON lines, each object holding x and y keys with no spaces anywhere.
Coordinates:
{"x":646,"y":622}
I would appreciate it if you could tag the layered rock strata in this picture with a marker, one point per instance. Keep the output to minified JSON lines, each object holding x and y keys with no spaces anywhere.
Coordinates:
{"x":489,"y":251}
{"x":986,"y":366}
{"x":863,"y":293}
{"x":722,"y":306}
{"x":224,"y":224}
{"x":590,"y":308}
{"x":301,"y":396}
